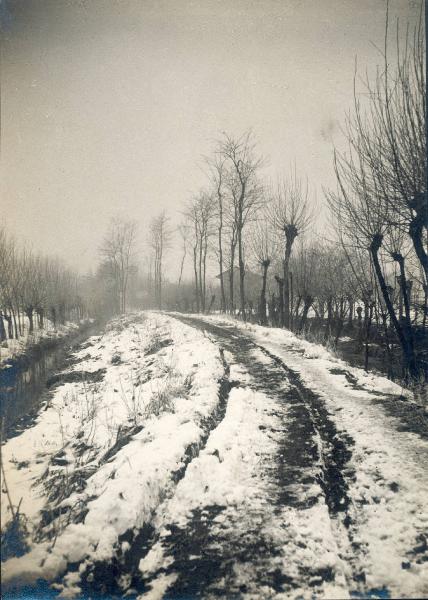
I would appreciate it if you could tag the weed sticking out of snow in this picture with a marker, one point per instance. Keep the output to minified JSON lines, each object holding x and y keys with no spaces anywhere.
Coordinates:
{"x":101,"y":456}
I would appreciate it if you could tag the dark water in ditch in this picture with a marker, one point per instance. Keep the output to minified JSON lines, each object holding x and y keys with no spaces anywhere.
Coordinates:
{"x":23,"y":383}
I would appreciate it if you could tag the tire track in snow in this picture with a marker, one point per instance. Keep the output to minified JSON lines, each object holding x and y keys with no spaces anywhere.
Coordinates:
{"x":220,"y":551}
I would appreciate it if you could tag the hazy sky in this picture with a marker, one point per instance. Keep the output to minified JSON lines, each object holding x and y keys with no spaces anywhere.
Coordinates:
{"x":107,"y":105}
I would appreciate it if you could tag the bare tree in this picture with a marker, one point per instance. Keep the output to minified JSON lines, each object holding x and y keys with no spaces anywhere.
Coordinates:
{"x":307,"y":280}
{"x":264,"y":248}
{"x":389,"y":138}
{"x":117,"y":250}
{"x":218,"y":176}
{"x":30,"y":286}
{"x":200,"y":215}
{"x":382,"y":178}
{"x":242,"y":164}
{"x":159,"y":241}
{"x":290,"y":214}
{"x":183,"y":230}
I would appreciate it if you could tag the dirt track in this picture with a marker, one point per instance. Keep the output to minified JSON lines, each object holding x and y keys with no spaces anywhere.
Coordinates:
{"x":225,"y":551}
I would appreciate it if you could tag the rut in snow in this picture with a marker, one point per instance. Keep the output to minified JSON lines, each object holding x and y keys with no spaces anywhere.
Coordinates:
{"x":310,"y":416}
{"x":107,"y":578}
{"x":219,"y":549}
{"x":204,"y":555}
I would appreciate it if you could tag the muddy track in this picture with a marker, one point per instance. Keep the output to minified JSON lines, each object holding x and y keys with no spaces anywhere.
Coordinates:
{"x":308,"y":408}
{"x":204,"y":554}
{"x":310,"y":450}
{"x":104,"y":578}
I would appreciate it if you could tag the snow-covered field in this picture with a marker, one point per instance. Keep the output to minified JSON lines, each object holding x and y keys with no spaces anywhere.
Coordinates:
{"x":213,"y":440}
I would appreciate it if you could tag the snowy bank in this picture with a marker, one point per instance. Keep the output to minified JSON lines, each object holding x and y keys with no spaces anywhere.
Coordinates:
{"x":104,"y":453}
{"x":12,"y":349}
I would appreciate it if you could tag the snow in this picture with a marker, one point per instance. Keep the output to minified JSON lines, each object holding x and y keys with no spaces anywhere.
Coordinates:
{"x":12,"y":348}
{"x":229,"y":473}
{"x":123,"y":491}
{"x":389,"y":523}
{"x":130,"y":433}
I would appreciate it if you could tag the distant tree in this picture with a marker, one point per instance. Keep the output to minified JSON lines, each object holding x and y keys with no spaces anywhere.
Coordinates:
{"x":218,"y":175}
{"x":263,"y":243}
{"x":183,"y":230}
{"x":242,"y":164}
{"x":117,"y":251}
{"x":159,"y":241}
{"x":290,"y":215}
{"x":306,"y":266}
{"x":200,"y":215}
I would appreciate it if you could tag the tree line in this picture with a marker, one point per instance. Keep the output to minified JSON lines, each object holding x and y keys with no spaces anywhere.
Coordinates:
{"x":35,"y":287}
{"x":371,"y":270}
{"x":365,"y":275}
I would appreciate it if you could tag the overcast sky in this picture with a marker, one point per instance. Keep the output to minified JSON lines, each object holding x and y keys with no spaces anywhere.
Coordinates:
{"x":108,"y":105}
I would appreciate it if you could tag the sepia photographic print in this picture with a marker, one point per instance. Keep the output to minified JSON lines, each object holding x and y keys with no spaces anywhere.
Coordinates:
{"x":213,"y":300}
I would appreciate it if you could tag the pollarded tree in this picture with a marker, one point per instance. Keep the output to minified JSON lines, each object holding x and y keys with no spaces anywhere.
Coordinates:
{"x":263,"y":243}
{"x":387,"y":135}
{"x":290,"y":214}
{"x":306,"y":269}
{"x":364,"y":225}
{"x":382,"y":177}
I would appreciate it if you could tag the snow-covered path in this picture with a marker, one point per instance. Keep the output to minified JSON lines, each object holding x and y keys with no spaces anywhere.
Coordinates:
{"x":276,"y":472}
{"x":284,"y":502}
{"x":250,"y":515}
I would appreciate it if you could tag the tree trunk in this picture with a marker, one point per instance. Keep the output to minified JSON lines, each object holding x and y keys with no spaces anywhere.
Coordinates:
{"x":220,"y":256}
{"x":388,"y":349}
{"x":408,"y":331}
{"x":368,"y":323}
{"x":160,"y":273}
{"x":328,"y":326}
{"x":204,"y":287}
{"x":290,"y":236}
{"x":360,"y":328}
{"x":29,"y":313}
{"x":306,"y":306}
{"x":13,"y":326}
{"x":297,"y":308}
{"x":262,"y":310}
{"x":280,"y":283}
{"x":231,"y":278}
{"x":340,"y":321}
{"x":9,"y":325}
{"x":408,"y":355}
{"x":351,"y":313}
{"x":2,"y":328}
{"x":241,"y":274}
{"x":195,"y":268}
{"x":416,"y":233}
{"x":202,"y":300}
{"x":272,"y":311}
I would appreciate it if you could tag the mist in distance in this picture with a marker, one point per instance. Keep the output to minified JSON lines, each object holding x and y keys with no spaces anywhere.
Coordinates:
{"x":108,"y":107}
